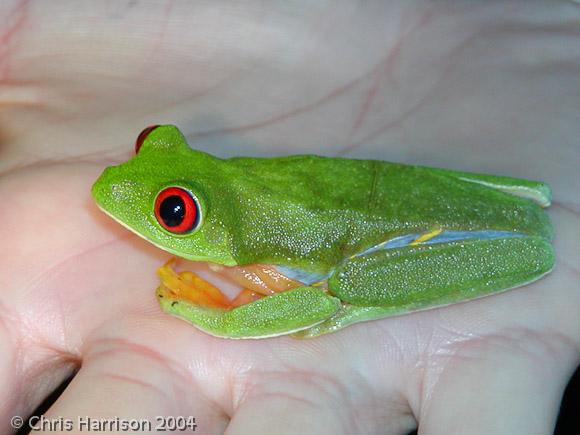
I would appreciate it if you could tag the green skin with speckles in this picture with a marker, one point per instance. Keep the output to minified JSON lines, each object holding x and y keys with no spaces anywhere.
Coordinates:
{"x":319,"y":215}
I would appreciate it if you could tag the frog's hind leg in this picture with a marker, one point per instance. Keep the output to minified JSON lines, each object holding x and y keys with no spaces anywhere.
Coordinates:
{"x":415,"y":277}
{"x":426,"y":275}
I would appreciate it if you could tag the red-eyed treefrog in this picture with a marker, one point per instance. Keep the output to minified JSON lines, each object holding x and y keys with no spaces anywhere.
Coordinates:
{"x":319,"y":243}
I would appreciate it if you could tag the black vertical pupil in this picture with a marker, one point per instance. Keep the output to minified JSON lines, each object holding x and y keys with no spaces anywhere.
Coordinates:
{"x":172,"y":210}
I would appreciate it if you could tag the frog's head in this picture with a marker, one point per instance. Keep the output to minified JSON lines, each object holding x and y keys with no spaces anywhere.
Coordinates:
{"x":161,"y":194}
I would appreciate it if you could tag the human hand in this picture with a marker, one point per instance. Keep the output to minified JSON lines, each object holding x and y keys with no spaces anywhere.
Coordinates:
{"x":485,"y":88}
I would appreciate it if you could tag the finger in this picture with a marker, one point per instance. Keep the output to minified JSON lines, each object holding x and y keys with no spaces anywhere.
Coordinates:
{"x":289,"y":403}
{"x":49,"y":283}
{"x":125,"y":382}
{"x":31,"y":367}
{"x":500,"y":386}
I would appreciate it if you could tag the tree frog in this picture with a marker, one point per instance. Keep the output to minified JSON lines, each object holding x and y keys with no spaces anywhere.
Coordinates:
{"x":319,"y":243}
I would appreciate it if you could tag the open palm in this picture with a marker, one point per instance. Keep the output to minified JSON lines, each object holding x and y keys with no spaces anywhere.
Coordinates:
{"x":486,"y":88}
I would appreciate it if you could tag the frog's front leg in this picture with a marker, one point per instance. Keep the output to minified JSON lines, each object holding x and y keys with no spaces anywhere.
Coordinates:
{"x":285,"y":306}
{"x":280,"y":314}
{"x":418,"y":276}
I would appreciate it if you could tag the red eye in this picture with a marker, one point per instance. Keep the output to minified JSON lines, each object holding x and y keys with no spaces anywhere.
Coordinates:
{"x":142,"y":136}
{"x":177,"y":210}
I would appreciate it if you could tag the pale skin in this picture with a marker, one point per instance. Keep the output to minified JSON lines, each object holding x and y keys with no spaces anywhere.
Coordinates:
{"x":488,"y":89}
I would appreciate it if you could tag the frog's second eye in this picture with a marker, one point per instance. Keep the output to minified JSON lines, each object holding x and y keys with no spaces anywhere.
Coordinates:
{"x":142,"y":136}
{"x":177,"y":210}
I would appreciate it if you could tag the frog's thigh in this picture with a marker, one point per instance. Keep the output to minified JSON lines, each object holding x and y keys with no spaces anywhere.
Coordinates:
{"x":421,"y":276}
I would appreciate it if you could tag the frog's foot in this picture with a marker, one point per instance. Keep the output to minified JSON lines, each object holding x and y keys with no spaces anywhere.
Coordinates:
{"x":188,"y":286}
{"x":282,"y":307}
{"x":255,"y":280}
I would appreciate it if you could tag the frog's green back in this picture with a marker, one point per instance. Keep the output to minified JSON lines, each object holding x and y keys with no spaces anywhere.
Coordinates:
{"x":338,"y":207}
{"x":309,"y":212}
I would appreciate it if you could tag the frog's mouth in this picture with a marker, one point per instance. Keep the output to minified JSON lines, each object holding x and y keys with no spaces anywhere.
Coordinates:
{"x":254,"y":282}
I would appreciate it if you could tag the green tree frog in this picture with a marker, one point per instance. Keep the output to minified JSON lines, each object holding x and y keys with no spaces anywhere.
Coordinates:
{"x":319,"y":243}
